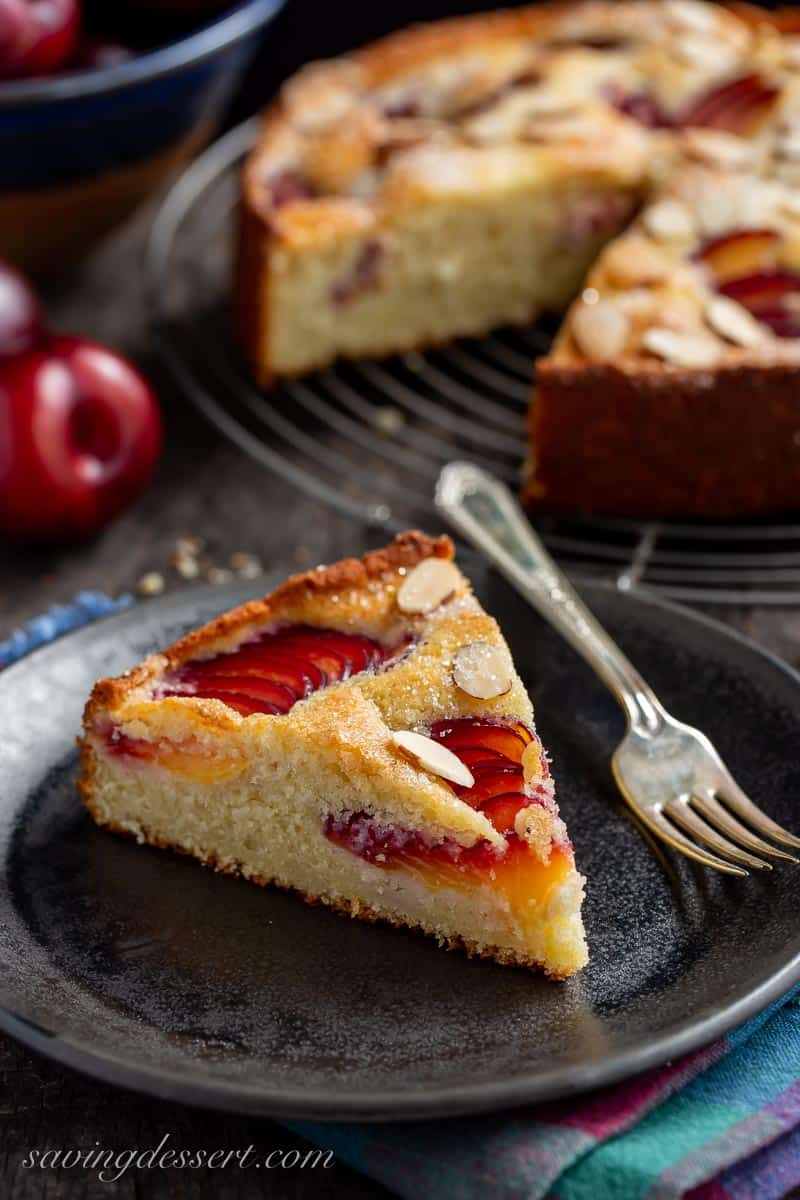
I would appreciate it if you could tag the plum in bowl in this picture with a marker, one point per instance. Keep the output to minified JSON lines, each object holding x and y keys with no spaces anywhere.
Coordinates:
{"x":85,"y":139}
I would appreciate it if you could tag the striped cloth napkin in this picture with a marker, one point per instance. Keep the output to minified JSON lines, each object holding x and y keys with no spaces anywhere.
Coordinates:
{"x":61,"y":618}
{"x":722,"y":1123}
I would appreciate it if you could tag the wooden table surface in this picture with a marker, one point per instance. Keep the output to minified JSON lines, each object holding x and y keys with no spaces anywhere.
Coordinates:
{"x":205,"y":488}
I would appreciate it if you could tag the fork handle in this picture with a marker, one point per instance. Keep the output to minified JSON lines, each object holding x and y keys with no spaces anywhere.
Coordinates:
{"x":485,"y":512}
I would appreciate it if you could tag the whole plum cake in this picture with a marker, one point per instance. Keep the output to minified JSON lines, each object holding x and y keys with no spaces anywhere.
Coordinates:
{"x":360,"y":736}
{"x":466,"y":175}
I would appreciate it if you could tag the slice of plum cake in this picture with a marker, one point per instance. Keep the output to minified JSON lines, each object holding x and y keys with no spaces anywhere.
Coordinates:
{"x":360,"y":736}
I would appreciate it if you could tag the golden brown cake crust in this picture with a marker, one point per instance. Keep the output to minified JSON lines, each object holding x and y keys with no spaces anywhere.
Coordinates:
{"x":412,"y":47}
{"x":253,"y":794}
{"x":351,"y":721}
{"x":765,"y":476}
{"x":348,"y":574}
{"x":297,"y":592}
{"x":260,"y":229}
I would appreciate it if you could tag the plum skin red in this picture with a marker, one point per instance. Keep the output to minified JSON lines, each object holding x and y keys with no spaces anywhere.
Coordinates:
{"x":40,"y":35}
{"x":80,"y":435}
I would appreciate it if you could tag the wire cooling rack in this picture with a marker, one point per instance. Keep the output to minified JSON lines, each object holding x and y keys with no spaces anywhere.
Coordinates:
{"x":369,"y":438}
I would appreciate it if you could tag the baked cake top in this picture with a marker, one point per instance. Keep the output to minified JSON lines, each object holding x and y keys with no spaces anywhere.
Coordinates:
{"x":708,"y":275}
{"x":621,"y":93}
{"x":361,"y":736}
{"x":461,"y":104}
{"x":421,"y":651}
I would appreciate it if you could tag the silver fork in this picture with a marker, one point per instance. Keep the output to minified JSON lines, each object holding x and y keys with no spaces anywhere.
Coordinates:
{"x":669,"y":773}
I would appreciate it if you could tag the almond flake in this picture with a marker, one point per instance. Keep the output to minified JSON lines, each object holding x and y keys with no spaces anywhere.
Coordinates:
{"x":759,"y":204}
{"x":704,"y":54}
{"x":668,"y":219}
{"x":716,"y":210}
{"x":482,"y":670}
{"x":733,"y":322}
{"x":428,"y":585}
{"x":697,"y":17}
{"x":720,"y":149}
{"x":432,"y":756}
{"x":681,"y":349}
{"x":504,"y":119}
{"x":600,"y":330}
{"x":633,"y":261}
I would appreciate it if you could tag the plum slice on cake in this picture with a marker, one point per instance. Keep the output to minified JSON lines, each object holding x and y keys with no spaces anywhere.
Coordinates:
{"x":360,"y":736}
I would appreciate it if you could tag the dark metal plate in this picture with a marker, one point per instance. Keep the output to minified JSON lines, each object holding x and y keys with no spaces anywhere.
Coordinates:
{"x":147,"y":970}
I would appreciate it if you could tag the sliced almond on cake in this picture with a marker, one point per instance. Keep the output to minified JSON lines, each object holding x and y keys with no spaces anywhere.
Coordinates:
{"x":720,"y":149}
{"x":600,"y":330}
{"x":669,"y":219}
{"x":427,"y":586}
{"x":275,"y":743}
{"x":635,"y":261}
{"x":483,"y":670}
{"x":681,"y":349}
{"x":432,"y":756}
{"x":733,"y":322}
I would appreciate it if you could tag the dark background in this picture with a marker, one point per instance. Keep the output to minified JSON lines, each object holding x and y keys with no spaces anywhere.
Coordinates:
{"x":309,"y":29}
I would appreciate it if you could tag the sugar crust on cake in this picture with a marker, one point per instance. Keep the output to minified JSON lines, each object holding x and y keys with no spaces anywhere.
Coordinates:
{"x":244,"y":772}
{"x":420,"y":182}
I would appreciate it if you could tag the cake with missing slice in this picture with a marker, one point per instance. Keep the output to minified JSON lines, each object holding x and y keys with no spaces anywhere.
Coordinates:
{"x":465,"y":175}
{"x":359,"y":736}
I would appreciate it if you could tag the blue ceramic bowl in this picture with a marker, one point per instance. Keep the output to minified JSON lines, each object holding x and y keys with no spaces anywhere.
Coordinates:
{"x":79,"y":151}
